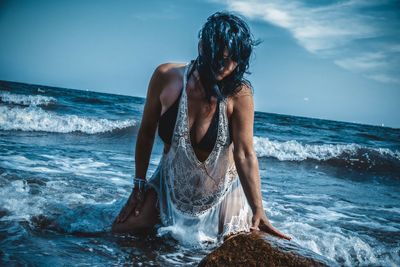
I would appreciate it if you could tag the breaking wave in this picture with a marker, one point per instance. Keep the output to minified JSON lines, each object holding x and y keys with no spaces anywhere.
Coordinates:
{"x":35,"y":119}
{"x":348,"y":155}
{"x":26,"y":100}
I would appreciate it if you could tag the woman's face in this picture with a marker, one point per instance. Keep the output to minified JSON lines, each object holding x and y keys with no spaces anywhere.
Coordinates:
{"x":229,"y":65}
{"x":228,"y":68}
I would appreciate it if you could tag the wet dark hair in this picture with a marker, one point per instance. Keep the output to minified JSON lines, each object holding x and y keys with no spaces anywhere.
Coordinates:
{"x":224,"y":30}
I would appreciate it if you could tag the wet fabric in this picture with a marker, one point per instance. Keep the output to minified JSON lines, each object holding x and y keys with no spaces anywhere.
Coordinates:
{"x":167,"y":122}
{"x":168,"y":119}
{"x":199,"y":201}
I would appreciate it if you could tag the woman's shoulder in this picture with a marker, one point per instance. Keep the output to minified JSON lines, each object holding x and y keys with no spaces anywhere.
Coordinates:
{"x":241,"y":100}
{"x":244,"y":89}
{"x":164,"y":77}
{"x":170,"y":75}
{"x":170,"y":70}
{"x":242,"y":93}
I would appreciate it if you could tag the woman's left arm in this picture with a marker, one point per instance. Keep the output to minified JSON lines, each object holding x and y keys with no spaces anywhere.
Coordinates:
{"x":246,"y":160}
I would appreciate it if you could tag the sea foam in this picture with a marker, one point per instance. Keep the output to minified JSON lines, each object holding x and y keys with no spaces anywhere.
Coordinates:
{"x":35,"y":119}
{"x":295,"y":151}
{"x":27,"y":100}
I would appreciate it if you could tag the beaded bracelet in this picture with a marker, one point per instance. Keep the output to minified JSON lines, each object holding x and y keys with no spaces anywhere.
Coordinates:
{"x":140,"y":183}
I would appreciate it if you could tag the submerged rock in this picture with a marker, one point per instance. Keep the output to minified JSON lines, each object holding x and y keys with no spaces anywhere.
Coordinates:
{"x":257,"y":249}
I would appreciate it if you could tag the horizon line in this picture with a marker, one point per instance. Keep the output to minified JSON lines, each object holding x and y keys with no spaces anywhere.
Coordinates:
{"x":282,"y":114}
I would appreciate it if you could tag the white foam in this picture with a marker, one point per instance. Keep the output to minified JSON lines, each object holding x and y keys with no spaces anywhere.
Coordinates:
{"x":184,"y":257}
{"x":19,"y":162}
{"x":76,"y":198}
{"x":335,"y":244}
{"x":295,"y":151}
{"x":36,"y":119}
{"x":186,"y":237}
{"x":29,"y":100}
{"x":51,"y":164}
{"x":19,"y":201}
{"x":75,"y":209}
{"x":317,"y":228}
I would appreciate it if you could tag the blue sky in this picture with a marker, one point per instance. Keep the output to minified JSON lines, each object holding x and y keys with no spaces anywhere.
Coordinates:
{"x":336,"y":60}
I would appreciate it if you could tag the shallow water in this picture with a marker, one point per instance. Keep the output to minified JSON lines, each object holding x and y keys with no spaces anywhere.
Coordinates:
{"x":67,"y":157}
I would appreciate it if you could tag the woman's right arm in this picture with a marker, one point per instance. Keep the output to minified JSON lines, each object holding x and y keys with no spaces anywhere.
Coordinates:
{"x":145,"y":140}
{"x":148,"y":125}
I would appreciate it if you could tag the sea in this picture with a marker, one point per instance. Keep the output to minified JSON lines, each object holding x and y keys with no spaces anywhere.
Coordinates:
{"x":67,"y":161}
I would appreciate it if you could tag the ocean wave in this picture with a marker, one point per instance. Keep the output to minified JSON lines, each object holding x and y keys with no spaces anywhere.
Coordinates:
{"x":349,"y":155}
{"x":90,"y":100}
{"x":35,"y":119}
{"x":26,"y":100}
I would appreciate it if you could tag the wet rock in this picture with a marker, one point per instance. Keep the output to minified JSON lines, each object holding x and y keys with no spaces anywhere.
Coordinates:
{"x":256,"y":249}
{"x":42,"y":222}
{"x":4,"y":213}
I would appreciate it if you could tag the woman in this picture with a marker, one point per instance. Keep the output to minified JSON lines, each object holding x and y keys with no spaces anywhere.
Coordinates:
{"x":207,"y":182}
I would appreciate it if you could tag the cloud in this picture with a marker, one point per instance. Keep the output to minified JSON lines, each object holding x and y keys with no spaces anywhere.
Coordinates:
{"x":367,"y":61}
{"x":360,"y":36}
{"x":384,"y":78}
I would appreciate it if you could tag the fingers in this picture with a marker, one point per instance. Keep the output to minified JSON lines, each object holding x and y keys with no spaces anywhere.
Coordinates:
{"x":261,"y":222}
{"x":139,"y":203}
{"x":134,"y":204}
{"x":138,"y":209}
{"x":255,"y":224}
{"x":286,"y":237}
{"x":280,"y":234}
{"x":126,"y":211}
{"x":126,"y":214}
{"x":123,"y":211}
{"x":118,"y":219}
{"x":272,"y":230}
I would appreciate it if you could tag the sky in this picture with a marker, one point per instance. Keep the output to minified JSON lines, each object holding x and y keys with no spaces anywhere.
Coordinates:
{"x":337,"y":60}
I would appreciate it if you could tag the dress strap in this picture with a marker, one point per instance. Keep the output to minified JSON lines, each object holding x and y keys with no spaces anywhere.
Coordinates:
{"x":185,"y":73}
{"x":181,"y":121}
{"x":223,"y":136}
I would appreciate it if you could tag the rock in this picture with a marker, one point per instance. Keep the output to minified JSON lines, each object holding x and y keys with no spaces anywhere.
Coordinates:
{"x":256,"y":249}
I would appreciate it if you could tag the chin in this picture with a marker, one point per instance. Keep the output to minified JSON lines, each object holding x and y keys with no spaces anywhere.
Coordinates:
{"x":219,"y":78}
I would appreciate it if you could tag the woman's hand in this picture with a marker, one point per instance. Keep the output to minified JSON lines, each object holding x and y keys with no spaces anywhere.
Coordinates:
{"x":134,"y":204}
{"x":261,"y":222}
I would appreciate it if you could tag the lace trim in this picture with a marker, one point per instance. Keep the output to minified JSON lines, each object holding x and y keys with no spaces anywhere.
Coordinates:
{"x":193,"y":189}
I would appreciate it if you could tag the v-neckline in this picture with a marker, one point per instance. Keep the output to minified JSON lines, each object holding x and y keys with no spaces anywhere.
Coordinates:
{"x":190,"y":145}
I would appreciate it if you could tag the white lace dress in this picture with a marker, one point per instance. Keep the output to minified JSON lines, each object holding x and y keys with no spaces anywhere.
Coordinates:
{"x":199,"y":201}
